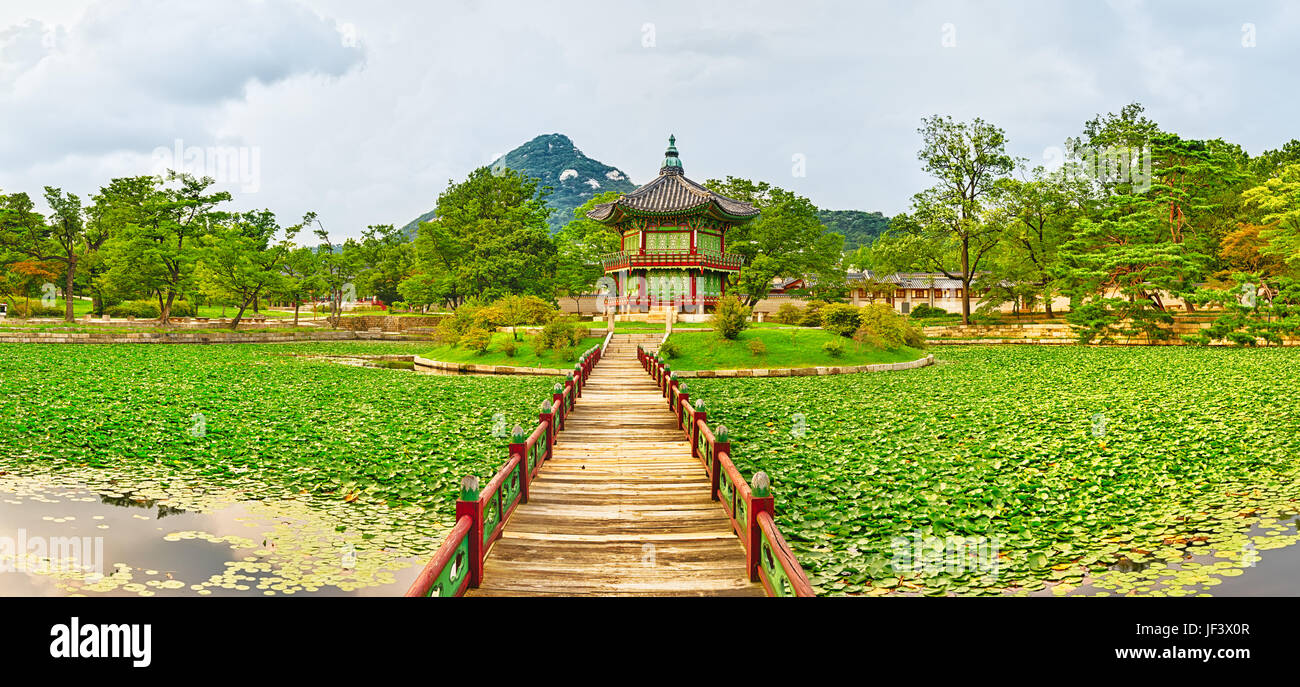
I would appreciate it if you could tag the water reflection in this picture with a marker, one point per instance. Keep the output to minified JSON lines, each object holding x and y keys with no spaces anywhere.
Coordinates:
{"x":127,"y":544}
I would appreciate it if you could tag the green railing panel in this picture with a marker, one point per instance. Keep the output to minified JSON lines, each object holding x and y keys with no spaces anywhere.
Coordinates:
{"x":776,"y":576}
{"x":449,"y":580}
{"x":511,"y":486}
{"x":491,"y":516}
{"x":726,"y":492}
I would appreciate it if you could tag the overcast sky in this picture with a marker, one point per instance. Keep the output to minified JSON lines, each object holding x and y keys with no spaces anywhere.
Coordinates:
{"x":363,"y":111}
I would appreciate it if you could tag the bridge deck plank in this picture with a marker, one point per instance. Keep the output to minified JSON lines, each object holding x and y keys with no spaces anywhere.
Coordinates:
{"x":622,"y":508}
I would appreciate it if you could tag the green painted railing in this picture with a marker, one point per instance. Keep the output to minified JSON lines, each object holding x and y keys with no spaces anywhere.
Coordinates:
{"x":749,"y":506}
{"x":482,"y":514}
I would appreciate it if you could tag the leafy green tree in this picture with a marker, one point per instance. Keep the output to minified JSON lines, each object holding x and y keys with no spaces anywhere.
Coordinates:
{"x":423,"y":289}
{"x":63,"y":239}
{"x":789,"y":235}
{"x":157,"y":253}
{"x":967,"y":160}
{"x":580,"y":245}
{"x":1278,"y":199}
{"x":387,"y":258}
{"x":1033,"y":216}
{"x":115,"y":209}
{"x":240,"y":259}
{"x":489,"y":237}
{"x":338,"y":267}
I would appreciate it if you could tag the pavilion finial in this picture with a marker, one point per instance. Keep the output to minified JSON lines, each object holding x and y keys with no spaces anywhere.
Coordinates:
{"x":672,"y":163}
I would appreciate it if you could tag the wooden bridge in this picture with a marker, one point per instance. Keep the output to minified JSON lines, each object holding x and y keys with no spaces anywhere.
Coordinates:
{"x":637,"y":497}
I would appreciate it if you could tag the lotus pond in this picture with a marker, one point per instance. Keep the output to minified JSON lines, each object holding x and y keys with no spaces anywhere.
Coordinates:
{"x":1076,"y":470}
{"x":284,"y":466}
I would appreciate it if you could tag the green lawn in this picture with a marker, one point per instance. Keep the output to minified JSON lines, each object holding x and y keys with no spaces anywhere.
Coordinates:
{"x":524,"y":355}
{"x":1066,"y":458}
{"x":796,"y":347}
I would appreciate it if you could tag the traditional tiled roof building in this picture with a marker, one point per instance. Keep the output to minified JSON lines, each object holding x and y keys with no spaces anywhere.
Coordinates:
{"x":674,"y":234}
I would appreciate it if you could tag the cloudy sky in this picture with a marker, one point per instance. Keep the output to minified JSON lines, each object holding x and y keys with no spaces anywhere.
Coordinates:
{"x":364,"y":111}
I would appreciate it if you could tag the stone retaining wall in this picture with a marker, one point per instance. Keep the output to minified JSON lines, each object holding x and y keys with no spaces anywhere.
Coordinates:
{"x":183,"y":337}
{"x":389,"y":323}
{"x":425,"y":363}
{"x":806,"y":371}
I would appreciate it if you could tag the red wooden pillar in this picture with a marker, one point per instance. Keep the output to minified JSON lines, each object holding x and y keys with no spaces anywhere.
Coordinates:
{"x":548,"y":419}
{"x":474,"y":509}
{"x":682,"y":400}
{"x":753,"y":547}
{"x":715,"y":470}
{"x":558,"y":398}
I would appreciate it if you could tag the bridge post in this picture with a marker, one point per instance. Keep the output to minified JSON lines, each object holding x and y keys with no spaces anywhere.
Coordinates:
{"x":558,"y":397}
{"x":720,"y":447}
{"x":547,"y":418}
{"x":580,"y":379}
{"x":682,"y":399}
{"x":470,"y":504}
{"x":760,"y":501}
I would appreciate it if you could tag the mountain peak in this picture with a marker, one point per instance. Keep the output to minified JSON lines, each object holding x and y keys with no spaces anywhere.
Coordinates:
{"x":573,"y":177}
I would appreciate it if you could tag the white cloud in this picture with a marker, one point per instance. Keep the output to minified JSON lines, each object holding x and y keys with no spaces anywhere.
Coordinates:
{"x":373,"y":133}
{"x":130,"y":76}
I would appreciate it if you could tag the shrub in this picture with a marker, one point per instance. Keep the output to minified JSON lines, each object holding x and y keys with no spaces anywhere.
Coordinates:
{"x":400,"y":306}
{"x":925,"y":310}
{"x":516,"y":311}
{"x":509,"y":347}
{"x":729,"y":317}
{"x":579,"y":333}
{"x":670,"y":349}
{"x":447,"y":333}
{"x":757,"y":347}
{"x":20,"y":308}
{"x":880,"y":326}
{"x":558,"y":333}
{"x":841,"y":319}
{"x":812,"y":315}
{"x":477,"y":339}
{"x":834,"y":348}
{"x":141,"y":309}
{"x":539,"y":345}
{"x":788,"y":313}
{"x":568,"y":353}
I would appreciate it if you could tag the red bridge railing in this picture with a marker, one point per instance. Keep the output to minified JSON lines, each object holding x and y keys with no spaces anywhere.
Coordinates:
{"x":749,"y":506}
{"x":482,"y":513}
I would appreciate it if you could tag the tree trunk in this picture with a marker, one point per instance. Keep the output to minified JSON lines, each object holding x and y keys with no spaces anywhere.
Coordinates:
{"x":67,"y":291}
{"x":965,"y":281}
{"x":165,"y":316}
{"x":296,"y":305}
{"x":234,"y":324}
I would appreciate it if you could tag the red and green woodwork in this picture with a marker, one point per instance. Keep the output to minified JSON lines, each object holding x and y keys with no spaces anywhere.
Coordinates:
{"x":750,"y":506}
{"x":674,"y":250}
{"x":483,"y":511}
